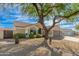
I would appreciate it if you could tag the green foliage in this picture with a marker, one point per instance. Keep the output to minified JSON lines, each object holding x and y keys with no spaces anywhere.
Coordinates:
{"x":31,"y":35}
{"x":77,"y":27}
{"x":70,"y":9}
{"x":19,"y":36}
{"x":72,"y":19}
{"x":61,"y":9}
{"x":38,"y":35}
{"x":30,"y":8}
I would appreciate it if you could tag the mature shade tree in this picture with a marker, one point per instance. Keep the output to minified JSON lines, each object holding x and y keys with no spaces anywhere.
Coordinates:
{"x":47,"y":11}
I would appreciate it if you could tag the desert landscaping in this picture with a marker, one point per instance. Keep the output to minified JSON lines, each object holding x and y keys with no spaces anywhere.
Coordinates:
{"x":32,"y":48}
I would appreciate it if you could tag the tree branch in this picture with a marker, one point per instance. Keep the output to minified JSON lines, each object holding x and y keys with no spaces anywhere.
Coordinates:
{"x":61,"y":18}
{"x":40,"y":14}
{"x":36,"y":7}
{"x":53,"y":23}
{"x":50,"y":9}
{"x":58,"y":21}
{"x":72,"y":14}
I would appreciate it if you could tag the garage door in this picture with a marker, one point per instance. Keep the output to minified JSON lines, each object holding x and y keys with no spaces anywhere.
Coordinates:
{"x":8,"y":34}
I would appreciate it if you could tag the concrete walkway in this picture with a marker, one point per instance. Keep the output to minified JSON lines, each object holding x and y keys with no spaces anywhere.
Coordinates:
{"x":5,"y":42}
{"x":74,"y":39}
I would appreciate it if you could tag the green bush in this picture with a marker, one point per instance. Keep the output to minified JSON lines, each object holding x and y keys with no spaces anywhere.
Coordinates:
{"x":31,"y":35}
{"x":19,"y":36}
{"x":38,"y":36}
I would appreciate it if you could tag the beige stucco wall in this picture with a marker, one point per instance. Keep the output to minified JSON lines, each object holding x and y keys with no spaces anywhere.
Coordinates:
{"x":32,"y":27}
{"x":1,"y":34}
{"x":24,"y":29}
{"x":27,"y":29}
{"x":19,"y":31}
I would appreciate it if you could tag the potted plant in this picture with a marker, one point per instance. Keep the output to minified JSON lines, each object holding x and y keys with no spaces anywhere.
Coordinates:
{"x":16,"y":40}
{"x":16,"y":37}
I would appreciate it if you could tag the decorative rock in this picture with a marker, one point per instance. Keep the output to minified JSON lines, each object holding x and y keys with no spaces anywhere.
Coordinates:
{"x":42,"y":52}
{"x":60,"y":51}
{"x":76,"y":53}
{"x":54,"y":49}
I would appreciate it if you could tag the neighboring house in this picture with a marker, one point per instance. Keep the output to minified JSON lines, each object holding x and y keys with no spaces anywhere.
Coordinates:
{"x":6,"y":33}
{"x":68,"y":32}
{"x":58,"y":32}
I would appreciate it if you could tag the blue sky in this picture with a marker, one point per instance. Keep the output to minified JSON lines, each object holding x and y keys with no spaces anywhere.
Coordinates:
{"x":11,"y":14}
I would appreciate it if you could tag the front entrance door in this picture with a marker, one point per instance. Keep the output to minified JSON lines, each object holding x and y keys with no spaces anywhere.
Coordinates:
{"x":8,"y":34}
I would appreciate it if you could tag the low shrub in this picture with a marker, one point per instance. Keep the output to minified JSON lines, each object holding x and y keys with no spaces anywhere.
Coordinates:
{"x":42,"y":51}
{"x":19,"y":36}
{"x":38,"y":36}
{"x":31,"y":35}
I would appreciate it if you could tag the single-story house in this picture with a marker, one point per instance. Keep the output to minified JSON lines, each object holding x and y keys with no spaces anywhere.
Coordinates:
{"x":19,"y":27}
{"x":22,"y":27}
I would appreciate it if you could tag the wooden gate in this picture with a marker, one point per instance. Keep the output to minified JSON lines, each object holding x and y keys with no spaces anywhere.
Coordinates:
{"x":8,"y":34}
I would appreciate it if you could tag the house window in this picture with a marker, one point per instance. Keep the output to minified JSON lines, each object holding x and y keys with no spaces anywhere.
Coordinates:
{"x":32,"y":31}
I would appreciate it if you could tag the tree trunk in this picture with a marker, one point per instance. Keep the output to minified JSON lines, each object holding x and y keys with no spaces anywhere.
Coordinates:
{"x":45,"y":40}
{"x":45,"y":43}
{"x":50,"y":40}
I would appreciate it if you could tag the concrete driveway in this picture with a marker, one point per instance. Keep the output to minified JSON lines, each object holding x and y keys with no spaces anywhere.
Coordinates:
{"x":7,"y":41}
{"x":75,"y":39}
